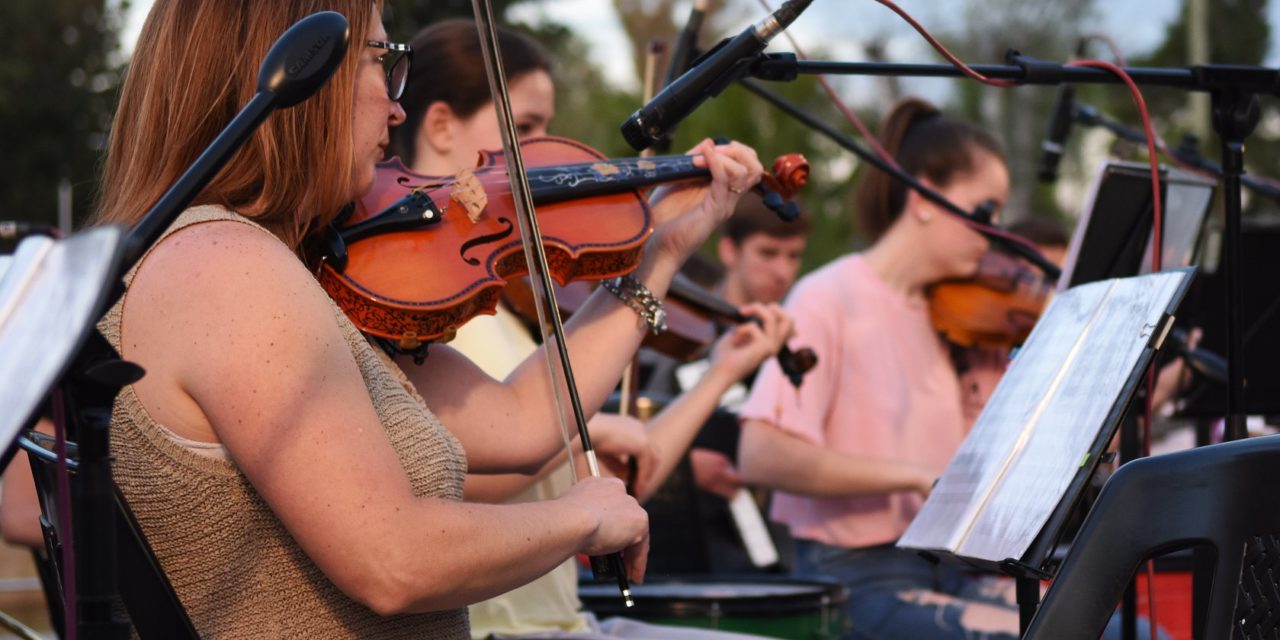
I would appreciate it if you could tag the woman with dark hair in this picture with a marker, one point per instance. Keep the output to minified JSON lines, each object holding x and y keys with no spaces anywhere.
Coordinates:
{"x":447,"y":105}
{"x":853,"y":452}
{"x":288,"y":478}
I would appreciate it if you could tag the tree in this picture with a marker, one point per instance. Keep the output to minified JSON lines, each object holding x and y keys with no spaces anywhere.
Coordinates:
{"x":404,"y":18}
{"x":1238,"y":33}
{"x":1045,"y":29}
{"x":59,"y":70}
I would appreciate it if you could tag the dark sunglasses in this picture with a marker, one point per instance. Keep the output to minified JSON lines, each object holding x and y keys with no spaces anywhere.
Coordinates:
{"x":396,"y":66}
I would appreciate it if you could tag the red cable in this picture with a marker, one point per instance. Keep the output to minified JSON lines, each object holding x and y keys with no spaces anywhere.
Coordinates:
{"x":1099,"y":64}
{"x":964,"y":68}
{"x":1157,"y":249}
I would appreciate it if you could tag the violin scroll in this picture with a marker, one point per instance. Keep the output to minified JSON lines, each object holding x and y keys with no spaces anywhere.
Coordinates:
{"x":790,"y":172}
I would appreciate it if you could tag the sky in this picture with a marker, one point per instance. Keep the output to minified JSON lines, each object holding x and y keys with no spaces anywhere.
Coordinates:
{"x":1137,"y":24}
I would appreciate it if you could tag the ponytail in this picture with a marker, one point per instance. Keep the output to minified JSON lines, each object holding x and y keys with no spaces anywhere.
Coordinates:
{"x":927,"y":145}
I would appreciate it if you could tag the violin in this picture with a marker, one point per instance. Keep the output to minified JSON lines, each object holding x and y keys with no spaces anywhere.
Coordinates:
{"x":421,"y":255}
{"x":995,"y":308}
{"x":694,"y":316}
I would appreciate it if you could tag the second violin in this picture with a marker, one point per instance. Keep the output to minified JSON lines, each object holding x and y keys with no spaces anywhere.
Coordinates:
{"x":996,"y":308}
{"x":695,"y":318}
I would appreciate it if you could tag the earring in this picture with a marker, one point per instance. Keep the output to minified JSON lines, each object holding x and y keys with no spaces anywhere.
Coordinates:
{"x":923,"y":216}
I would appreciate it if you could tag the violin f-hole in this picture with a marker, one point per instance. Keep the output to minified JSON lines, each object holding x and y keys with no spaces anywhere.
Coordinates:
{"x":488,"y":238}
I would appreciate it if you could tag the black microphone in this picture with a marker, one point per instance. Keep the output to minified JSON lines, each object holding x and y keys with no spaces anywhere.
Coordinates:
{"x":710,"y":74}
{"x":1060,"y":122}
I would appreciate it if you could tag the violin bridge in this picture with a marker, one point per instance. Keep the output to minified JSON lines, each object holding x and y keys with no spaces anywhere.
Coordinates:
{"x":468,"y":191}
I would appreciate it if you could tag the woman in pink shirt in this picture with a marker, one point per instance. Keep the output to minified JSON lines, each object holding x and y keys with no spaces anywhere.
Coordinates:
{"x":853,"y":452}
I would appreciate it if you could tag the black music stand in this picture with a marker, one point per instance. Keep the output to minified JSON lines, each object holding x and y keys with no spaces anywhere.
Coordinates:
{"x":1114,"y":236}
{"x":1002,"y":502}
{"x":1260,"y":327}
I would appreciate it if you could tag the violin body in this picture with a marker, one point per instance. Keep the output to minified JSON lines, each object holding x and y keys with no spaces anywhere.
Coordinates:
{"x":420,"y":285}
{"x":995,"y":309}
{"x":420,"y":255}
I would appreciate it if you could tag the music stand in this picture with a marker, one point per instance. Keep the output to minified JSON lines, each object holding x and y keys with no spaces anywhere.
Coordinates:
{"x":1260,"y":327}
{"x":50,"y":296}
{"x":1002,"y":502}
{"x":1114,"y":236}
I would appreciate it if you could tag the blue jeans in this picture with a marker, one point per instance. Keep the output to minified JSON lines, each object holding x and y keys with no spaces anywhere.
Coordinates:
{"x":895,"y":594}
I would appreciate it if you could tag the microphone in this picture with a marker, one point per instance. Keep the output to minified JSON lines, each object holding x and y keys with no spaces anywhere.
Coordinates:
{"x":303,"y":58}
{"x":1060,"y":121}
{"x":710,"y":74}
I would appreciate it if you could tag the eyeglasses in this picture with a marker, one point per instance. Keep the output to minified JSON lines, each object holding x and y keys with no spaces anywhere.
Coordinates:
{"x":396,"y":65}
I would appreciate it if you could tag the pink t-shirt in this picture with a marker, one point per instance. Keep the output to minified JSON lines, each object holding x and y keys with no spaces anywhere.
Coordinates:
{"x":884,"y":388}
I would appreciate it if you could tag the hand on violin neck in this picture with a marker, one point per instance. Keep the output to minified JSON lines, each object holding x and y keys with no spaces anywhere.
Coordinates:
{"x":685,"y":214}
{"x":748,"y":344}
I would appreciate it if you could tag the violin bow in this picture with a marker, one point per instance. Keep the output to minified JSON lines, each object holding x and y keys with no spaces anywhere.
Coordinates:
{"x":562,"y":379}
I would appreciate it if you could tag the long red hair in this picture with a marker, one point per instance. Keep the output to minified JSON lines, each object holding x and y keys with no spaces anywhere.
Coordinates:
{"x":194,"y":67}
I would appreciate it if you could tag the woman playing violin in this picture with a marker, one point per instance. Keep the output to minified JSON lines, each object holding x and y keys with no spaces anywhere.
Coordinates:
{"x":855,"y":449}
{"x":289,"y":480}
{"x":450,"y":119}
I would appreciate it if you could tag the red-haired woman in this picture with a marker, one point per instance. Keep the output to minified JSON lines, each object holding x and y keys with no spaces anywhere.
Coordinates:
{"x":288,"y":478}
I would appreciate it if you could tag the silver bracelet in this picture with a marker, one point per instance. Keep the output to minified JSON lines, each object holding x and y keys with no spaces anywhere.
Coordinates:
{"x":640,"y":299}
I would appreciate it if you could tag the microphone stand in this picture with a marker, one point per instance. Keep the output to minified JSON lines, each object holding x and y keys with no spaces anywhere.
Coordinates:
{"x":297,"y":65}
{"x":1234,"y":90}
{"x":981,"y":214}
{"x":1187,"y":152}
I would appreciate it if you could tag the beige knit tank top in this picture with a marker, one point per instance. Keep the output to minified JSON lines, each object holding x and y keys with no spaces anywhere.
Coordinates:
{"x":237,"y":571}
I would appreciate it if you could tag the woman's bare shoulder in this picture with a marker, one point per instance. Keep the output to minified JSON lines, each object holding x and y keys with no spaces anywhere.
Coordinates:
{"x":219,"y":294}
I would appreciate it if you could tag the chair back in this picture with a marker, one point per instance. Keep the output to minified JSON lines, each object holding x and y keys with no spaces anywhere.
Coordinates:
{"x":1224,"y":498}
{"x":148,"y":597}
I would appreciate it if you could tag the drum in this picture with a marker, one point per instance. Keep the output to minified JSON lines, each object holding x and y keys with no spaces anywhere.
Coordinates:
{"x":778,"y":608}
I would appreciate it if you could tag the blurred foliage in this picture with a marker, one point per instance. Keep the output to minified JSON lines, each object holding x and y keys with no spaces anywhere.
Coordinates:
{"x":56,"y":112}
{"x":403,"y":18}
{"x":1238,"y":34}
{"x":59,"y":70}
{"x":1044,"y":29}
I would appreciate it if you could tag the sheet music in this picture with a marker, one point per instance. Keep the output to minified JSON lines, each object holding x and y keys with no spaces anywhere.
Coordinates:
{"x":47,"y":297}
{"x":1023,"y":452}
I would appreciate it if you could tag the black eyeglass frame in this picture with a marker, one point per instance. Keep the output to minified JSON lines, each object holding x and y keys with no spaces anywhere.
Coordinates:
{"x":394,"y":92}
